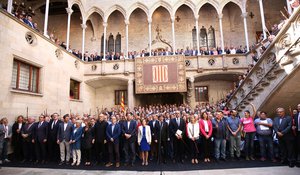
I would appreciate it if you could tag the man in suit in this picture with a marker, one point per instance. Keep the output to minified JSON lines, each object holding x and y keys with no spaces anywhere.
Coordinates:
{"x":7,"y":137}
{"x":177,"y":131}
{"x":27,"y":135}
{"x":2,"y":135}
{"x":53,"y":147}
{"x":296,"y":129}
{"x":113,"y":132}
{"x":63,"y":139}
{"x":162,"y":136}
{"x":100,"y":137}
{"x":129,"y":132}
{"x":39,"y":139}
{"x":153,"y":128}
{"x":282,"y":126}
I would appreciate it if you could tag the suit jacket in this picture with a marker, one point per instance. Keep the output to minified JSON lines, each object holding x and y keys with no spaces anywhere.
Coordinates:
{"x":174,"y":127}
{"x":284,"y":127}
{"x":153,"y":129}
{"x":131,"y":130}
{"x":87,"y":138}
{"x":76,"y":136}
{"x":202,"y":128}
{"x":52,"y":133}
{"x":296,"y":119}
{"x":162,"y":132}
{"x":147,"y":133}
{"x":64,"y":134}
{"x":29,"y":130}
{"x":100,"y":131}
{"x":40,"y":133}
{"x":115,"y":134}
{"x":16,"y":137}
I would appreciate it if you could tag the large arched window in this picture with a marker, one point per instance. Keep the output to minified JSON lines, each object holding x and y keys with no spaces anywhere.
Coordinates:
{"x":211,"y":37}
{"x":118,"y":43}
{"x":194,"y":36}
{"x":111,"y":43}
{"x":203,"y":37}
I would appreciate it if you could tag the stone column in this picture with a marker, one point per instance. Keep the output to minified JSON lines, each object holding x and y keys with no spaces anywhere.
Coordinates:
{"x":83,"y":26}
{"x":197,"y":33}
{"x":220,"y":16}
{"x":130,"y":94}
{"x":150,"y":35}
{"x":244,"y":15}
{"x":46,"y":18}
{"x":126,"y":33}
{"x":262,"y":15}
{"x":173,"y":34}
{"x":192,"y":91}
{"x":9,"y":6}
{"x":69,"y":11}
{"x":104,"y":40}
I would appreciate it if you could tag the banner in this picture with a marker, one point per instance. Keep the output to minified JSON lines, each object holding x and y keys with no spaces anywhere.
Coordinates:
{"x":160,"y":74}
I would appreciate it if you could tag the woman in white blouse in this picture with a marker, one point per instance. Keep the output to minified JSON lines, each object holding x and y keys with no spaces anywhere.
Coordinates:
{"x":144,"y":140}
{"x":193,"y":131}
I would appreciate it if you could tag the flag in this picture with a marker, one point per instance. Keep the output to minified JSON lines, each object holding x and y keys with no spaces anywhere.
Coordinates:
{"x":122,"y":102}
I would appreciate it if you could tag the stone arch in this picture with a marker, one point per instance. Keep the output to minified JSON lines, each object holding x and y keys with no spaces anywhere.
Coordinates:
{"x":112,"y":9}
{"x":80,"y":5}
{"x":135,"y":6}
{"x":163,"y":4}
{"x":188,"y":3}
{"x":236,"y":2}
{"x":213,"y":3}
{"x":95,"y":10}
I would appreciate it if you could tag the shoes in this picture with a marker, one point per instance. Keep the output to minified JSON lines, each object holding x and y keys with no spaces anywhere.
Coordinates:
{"x":73,"y":163}
{"x":146,"y":163}
{"x":262,"y":159}
{"x":196,"y":161}
{"x":182,"y":161}
{"x":78,"y":163}
{"x":143,"y":164}
{"x":193,"y":161}
{"x":67,"y":162}
{"x":291,"y":165}
{"x":252,"y":158}
{"x":108,"y":164}
{"x":117,"y":165}
{"x":6,"y":161}
{"x":61,"y":163}
{"x":247,"y":158}
{"x":218,"y":160}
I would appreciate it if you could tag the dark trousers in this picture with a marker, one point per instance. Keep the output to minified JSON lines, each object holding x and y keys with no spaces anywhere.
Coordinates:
{"x":266,"y":141}
{"x":28,"y":149}
{"x":18,"y":150}
{"x":40,"y":151}
{"x":129,"y":150}
{"x":100,"y":150}
{"x":287,"y":149}
{"x":4,"y":149}
{"x":298,"y":146}
{"x":162,"y":151}
{"x":207,"y":147}
{"x":154,"y":149}
{"x":53,"y":150}
{"x":87,"y":154}
{"x":113,"y":149}
{"x":249,"y":144}
{"x":194,"y":149}
{"x":178,"y":149}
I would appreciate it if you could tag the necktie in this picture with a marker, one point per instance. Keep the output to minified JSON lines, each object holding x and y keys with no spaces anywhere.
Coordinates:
{"x":160,"y":125}
{"x":193,"y":130}
{"x":40,"y":124}
{"x":52,"y":125}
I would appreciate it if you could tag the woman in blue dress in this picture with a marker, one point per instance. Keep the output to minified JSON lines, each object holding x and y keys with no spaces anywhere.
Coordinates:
{"x":144,"y":140}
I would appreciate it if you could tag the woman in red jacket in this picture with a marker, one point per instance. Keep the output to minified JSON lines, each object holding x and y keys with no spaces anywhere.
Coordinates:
{"x":206,"y":131}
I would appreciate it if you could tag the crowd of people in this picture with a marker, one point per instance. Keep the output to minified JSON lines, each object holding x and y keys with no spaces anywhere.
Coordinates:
{"x":155,"y":134}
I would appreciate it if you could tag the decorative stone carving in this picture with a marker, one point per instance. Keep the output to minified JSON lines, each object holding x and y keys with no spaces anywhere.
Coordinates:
{"x":271,"y":59}
{"x":249,"y":83}
{"x":260,"y":72}
{"x":271,"y":76}
{"x":59,"y":54}
{"x":235,"y":61}
{"x":211,"y":61}
{"x":77,"y":65}
{"x":116,"y":66}
{"x":30,"y":38}
{"x":285,"y":41}
{"x":94,"y":67}
{"x":292,"y":53}
{"x":242,"y":92}
{"x":187,"y":63}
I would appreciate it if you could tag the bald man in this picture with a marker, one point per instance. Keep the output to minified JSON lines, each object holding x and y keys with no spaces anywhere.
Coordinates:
{"x":283,"y":129}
